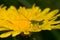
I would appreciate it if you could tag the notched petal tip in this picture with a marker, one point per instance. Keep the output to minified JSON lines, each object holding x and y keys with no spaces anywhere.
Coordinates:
{"x":56,"y":11}
{"x":12,"y":7}
{"x":45,"y":11}
{"x":3,"y":7}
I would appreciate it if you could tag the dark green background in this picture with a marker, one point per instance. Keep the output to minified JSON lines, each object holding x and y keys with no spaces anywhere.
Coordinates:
{"x":43,"y":35}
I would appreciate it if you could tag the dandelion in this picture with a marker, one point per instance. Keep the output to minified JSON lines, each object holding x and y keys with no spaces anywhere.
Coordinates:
{"x":27,"y":20}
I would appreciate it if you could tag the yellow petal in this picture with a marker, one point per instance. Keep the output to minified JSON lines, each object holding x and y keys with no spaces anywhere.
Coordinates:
{"x":1,"y":29}
{"x":4,"y":35}
{"x":12,"y":14}
{"x":26,"y":33}
{"x":15,"y":33}
{"x":51,"y":14}
{"x":45,"y":11}
{"x":54,"y":17}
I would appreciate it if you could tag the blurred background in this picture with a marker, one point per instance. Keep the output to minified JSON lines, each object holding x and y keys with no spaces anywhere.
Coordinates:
{"x":43,"y":35}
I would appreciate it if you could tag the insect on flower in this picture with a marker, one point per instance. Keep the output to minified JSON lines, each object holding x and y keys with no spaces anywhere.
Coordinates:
{"x":27,"y":20}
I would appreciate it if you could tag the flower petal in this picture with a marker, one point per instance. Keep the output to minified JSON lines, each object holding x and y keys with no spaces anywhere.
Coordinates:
{"x":15,"y":33}
{"x":4,"y":35}
{"x":51,"y":14}
{"x":1,"y":29}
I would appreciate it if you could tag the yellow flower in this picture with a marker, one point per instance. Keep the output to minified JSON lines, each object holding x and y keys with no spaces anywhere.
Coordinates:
{"x":27,"y":20}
